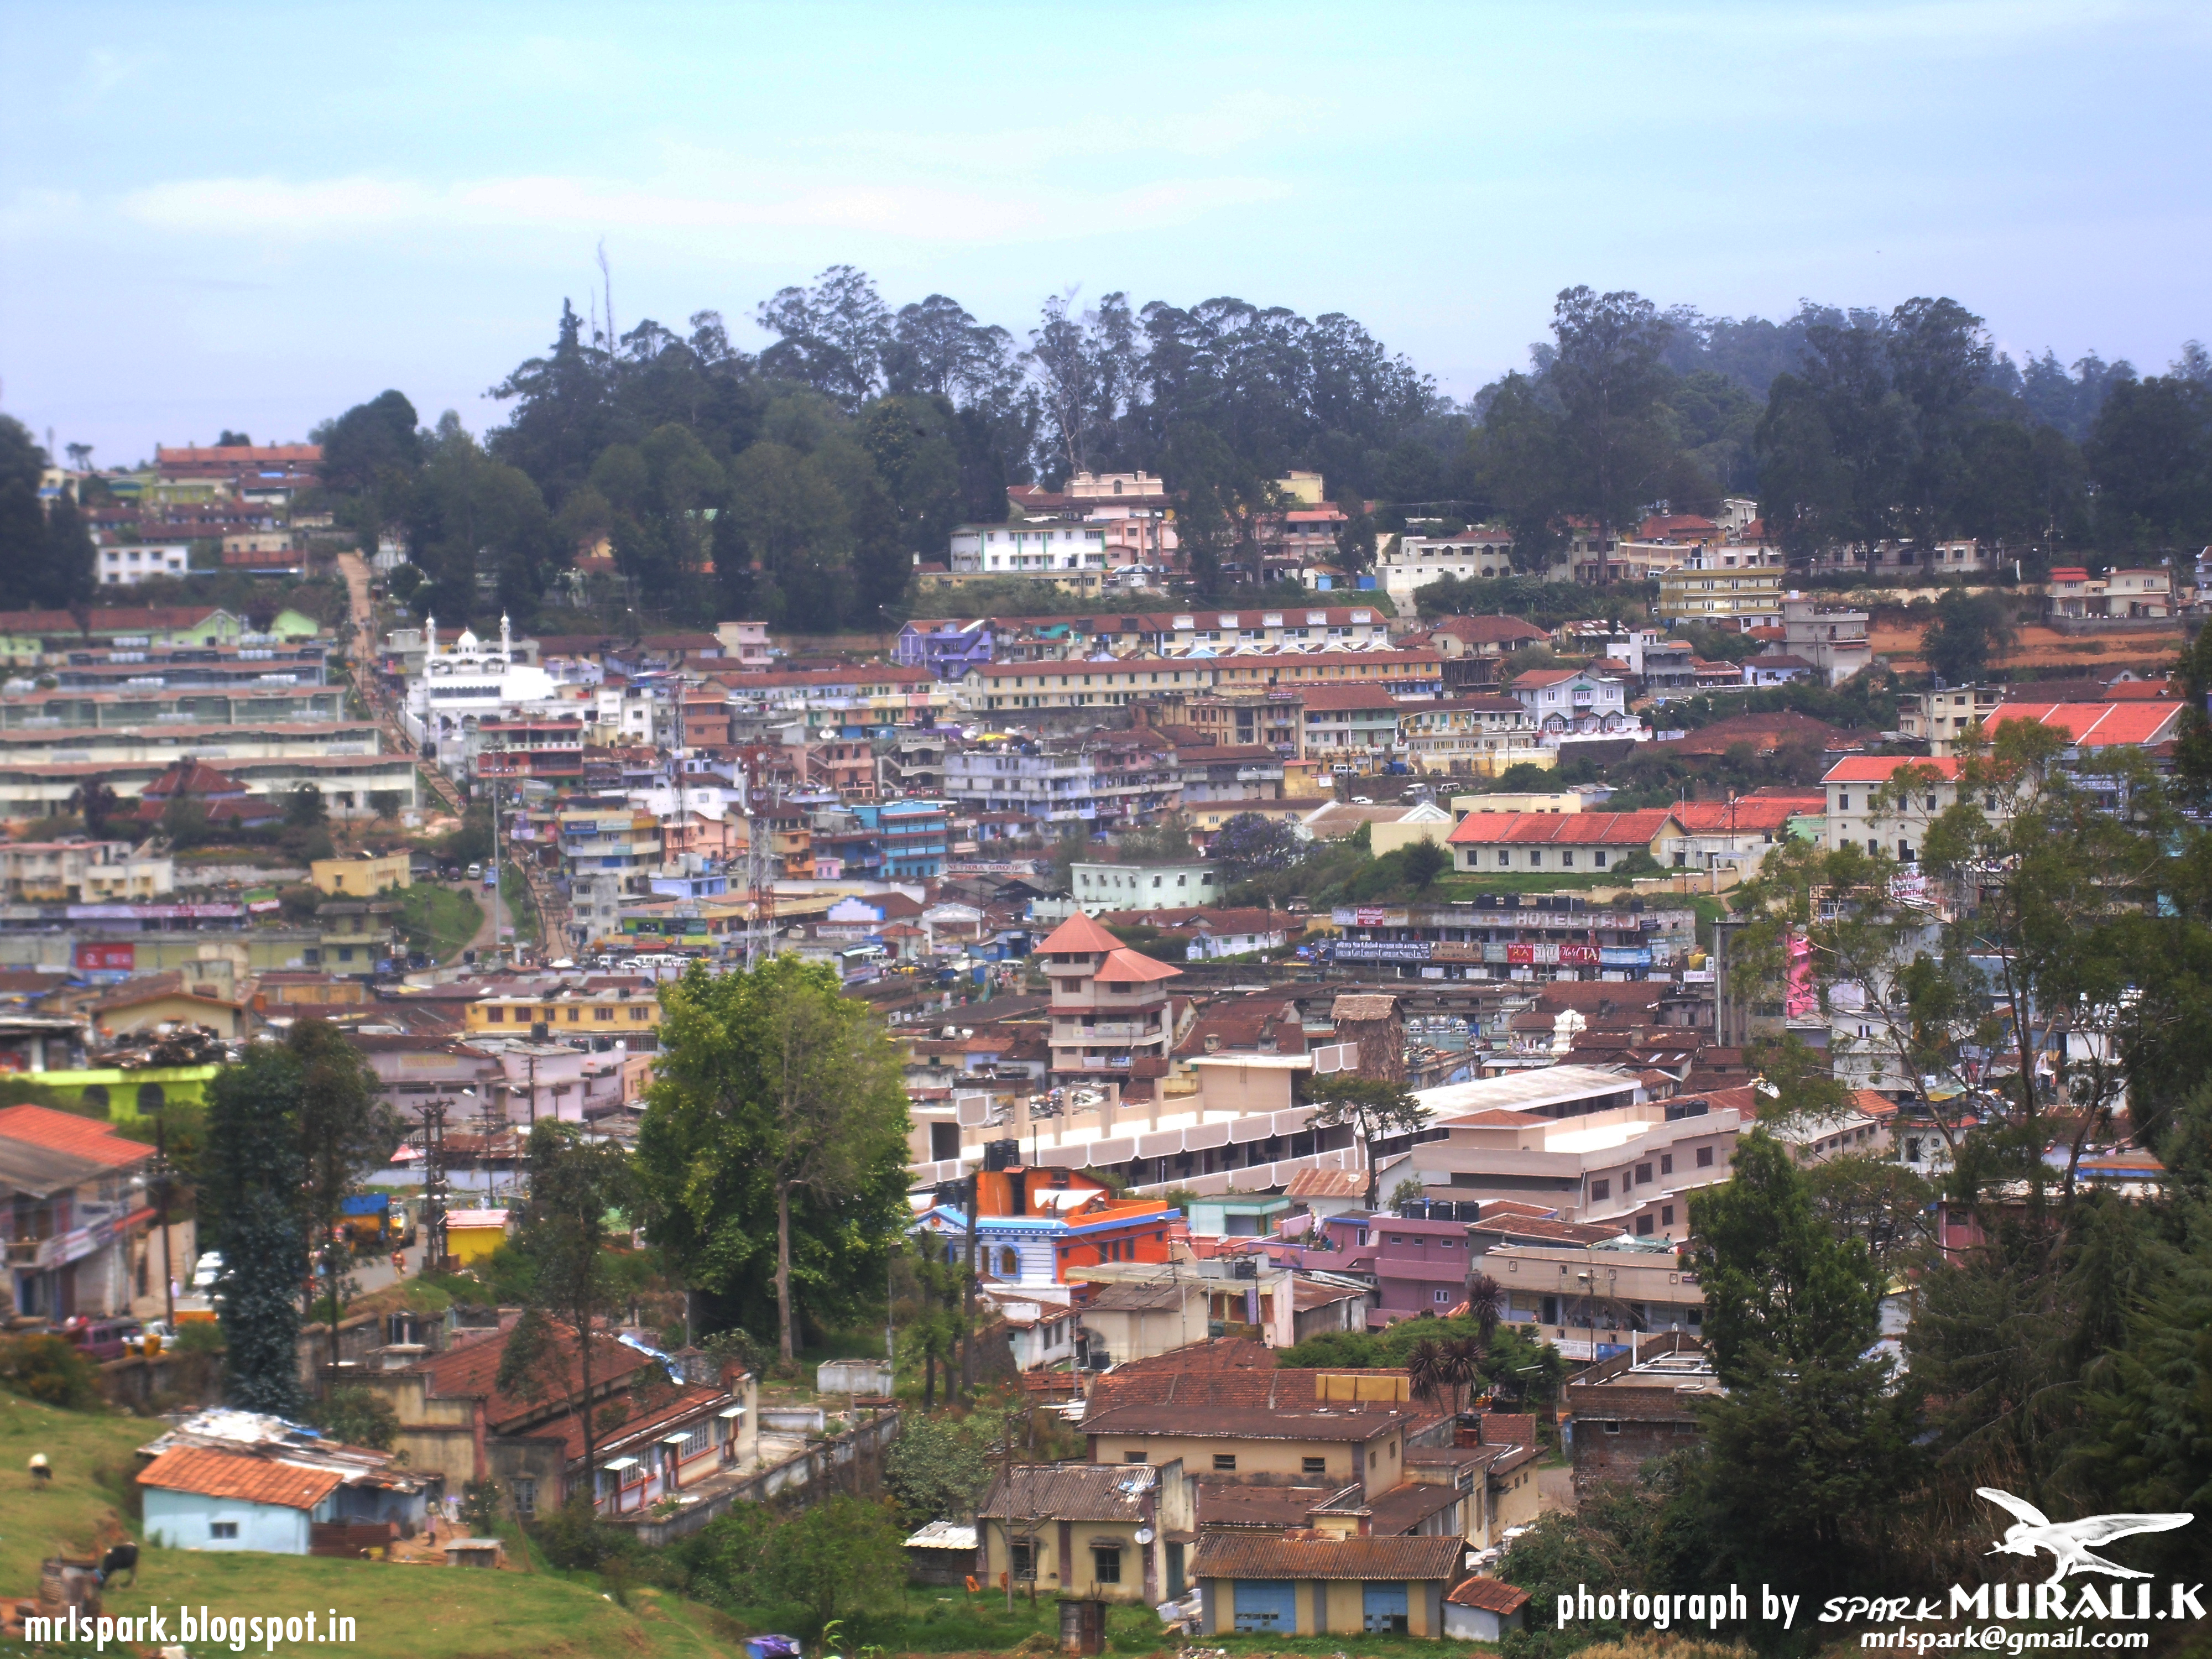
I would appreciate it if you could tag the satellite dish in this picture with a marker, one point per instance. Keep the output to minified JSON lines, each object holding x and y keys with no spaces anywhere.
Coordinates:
{"x":1144,"y":1535}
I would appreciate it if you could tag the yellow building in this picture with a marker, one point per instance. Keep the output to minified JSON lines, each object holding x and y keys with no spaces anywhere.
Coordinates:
{"x":1362,"y":1440}
{"x":472,"y":1235}
{"x":1089,"y":1531}
{"x":1739,"y":583}
{"x":620,"y":1012}
{"x":358,"y":877}
{"x":1327,"y":1586}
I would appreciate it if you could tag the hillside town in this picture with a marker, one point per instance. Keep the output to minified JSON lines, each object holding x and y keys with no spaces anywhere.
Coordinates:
{"x":1262,"y":979}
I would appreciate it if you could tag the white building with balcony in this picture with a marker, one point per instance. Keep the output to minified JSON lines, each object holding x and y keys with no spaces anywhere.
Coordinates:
{"x":1563,"y":701}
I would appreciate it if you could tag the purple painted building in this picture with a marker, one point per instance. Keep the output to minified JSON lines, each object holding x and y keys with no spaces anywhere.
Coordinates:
{"x":1419,"y":1267}
{"x":947,"y":649}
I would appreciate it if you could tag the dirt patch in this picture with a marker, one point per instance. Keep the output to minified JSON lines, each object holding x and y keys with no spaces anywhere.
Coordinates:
{"x":2040,"y":647}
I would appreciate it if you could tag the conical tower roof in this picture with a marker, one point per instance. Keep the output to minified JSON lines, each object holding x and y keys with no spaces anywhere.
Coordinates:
{"x":1080,"y":936}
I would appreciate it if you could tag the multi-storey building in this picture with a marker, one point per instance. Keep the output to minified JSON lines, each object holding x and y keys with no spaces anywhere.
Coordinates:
{"x":1351,"y":726}
{"x":2073,"y":593}
{"x":596,"y":1016}
{"x":1110,"y":1005}
{"x":1743,"y":585}
{"x":915,"y":835}
{"x":126,"y":566}
{"x":610,"y":848}
{"x":1412,"y":562}
{"x":1104,"y":888}
{"x":1269,"y":720}
{"x":1515,"y":936}
{"x":1470,"y":736}
{"x":1216,"y":633}
{"x":912,"y":763}
{"x":1631,"y":1168}
{"x":1940,"y":717}
{"x":1871,"y":805}
{"x":1832,"y":638}
{"x":868,"y":700}
{"x":1417,"y":672}
{"x":1564,"y":700}
{"x":1105,"y":783}
{"x":947,"y":647}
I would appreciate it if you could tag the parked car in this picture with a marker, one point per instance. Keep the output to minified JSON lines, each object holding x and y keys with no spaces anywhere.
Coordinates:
{"x":206,"y":1271}
{"x":475,"y":870}
{"x":101,"y":1338}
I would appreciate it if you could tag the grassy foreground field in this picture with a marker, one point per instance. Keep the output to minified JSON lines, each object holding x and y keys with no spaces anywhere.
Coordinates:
{"x":424,"y":1612}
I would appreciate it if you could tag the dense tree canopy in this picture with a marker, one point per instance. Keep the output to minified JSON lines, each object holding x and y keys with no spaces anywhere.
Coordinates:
{"x":801,"y":483}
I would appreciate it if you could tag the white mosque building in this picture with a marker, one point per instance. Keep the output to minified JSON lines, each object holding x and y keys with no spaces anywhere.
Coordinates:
{"x":464,"y":685}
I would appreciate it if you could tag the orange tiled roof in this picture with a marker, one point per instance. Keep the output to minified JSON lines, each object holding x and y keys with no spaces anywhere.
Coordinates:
{"x":65,"y":1131}
{"x":247,"y":1479}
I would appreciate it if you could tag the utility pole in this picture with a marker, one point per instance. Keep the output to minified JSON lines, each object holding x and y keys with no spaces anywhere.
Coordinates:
{"x":968,"y":1298}
{"x":161,"y":1198}
{"x":434,"y":1183}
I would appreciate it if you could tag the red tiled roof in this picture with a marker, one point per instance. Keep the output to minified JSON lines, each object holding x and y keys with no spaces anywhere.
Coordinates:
{"x":246,"y":1479}
{"x":1079,"y":936}
{"x":2096,"y":724}
{"x":1125,"y":967}
{"x":1748,"y":811}
{"x":1327,"y":1183}
{"x":64,"y":1131}
{"x":1879,"y":769}
{"x":1487,"y":631}
{"x":469,"y":1372}
{"x":1561,"y":829}
{"x":1330,"y":697}
{"x":1491,"y":1594}
{"x":1238,"y":1555}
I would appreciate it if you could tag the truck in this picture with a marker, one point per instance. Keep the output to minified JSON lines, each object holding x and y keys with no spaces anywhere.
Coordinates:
{"x":366,"y":1219}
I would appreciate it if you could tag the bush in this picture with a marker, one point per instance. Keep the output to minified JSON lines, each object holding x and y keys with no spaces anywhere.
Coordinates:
{"x":360,"y":1417}
{"x":840,"y":1560}
{"x":49,"y":1370}
{"x":573,"y":1538}
{"x":937,"y":1468}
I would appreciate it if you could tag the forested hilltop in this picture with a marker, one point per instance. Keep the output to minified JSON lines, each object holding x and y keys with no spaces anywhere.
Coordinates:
{"x":798,"y":484}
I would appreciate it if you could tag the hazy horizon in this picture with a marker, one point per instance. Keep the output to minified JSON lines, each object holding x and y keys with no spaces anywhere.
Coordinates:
{"x":246,"y":217}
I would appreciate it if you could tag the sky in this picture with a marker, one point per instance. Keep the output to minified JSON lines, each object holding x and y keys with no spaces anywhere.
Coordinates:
{"x":255,"y":216}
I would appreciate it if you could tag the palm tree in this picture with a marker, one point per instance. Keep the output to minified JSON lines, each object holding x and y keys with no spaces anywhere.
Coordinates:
{"x":95,"y":803}
{"x":1462,"y":1360}
{"x":1428,"y":1369}
{"x":1486,"y":1300}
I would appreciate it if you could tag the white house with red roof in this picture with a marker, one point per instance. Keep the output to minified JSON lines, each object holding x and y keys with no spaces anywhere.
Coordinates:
{"x":1885,"y":803}
{"x":1488,"y":843}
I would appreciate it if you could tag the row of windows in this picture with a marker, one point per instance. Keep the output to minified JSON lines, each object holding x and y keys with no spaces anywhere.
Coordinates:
{"x":1601,"y":1187}
{"x":497,"y":1015}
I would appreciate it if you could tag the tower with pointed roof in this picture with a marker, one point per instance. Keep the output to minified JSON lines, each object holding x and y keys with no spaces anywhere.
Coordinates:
{"x":1110,"y":1008}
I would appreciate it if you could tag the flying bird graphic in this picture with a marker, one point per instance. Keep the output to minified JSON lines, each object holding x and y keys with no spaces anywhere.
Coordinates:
{"x":2073,"y":1543}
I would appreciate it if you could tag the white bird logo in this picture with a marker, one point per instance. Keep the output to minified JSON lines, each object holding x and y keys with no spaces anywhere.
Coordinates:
{"x":2073,"y":1543}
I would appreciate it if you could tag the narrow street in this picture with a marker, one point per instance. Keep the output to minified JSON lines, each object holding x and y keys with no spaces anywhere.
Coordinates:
{"x":552,"y":907}
{"x":355,"y":569}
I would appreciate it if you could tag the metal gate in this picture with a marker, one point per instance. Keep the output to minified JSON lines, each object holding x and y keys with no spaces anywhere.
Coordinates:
{"x":1384,"y":1606}
{"x":1266,"y":1604}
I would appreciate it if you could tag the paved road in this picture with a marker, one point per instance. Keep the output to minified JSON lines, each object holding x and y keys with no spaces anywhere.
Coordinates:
{"x":355,"y":569}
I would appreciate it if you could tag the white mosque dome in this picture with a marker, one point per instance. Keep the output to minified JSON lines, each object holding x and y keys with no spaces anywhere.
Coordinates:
{"x":467,"y":641}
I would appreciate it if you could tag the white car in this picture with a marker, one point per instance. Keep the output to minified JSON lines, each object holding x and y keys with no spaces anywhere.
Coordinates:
{"x":1363,"y":800}
{"x":206,"y":1271}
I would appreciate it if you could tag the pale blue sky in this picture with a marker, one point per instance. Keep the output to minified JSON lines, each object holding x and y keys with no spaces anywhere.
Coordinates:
{"x":255,"y":215}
